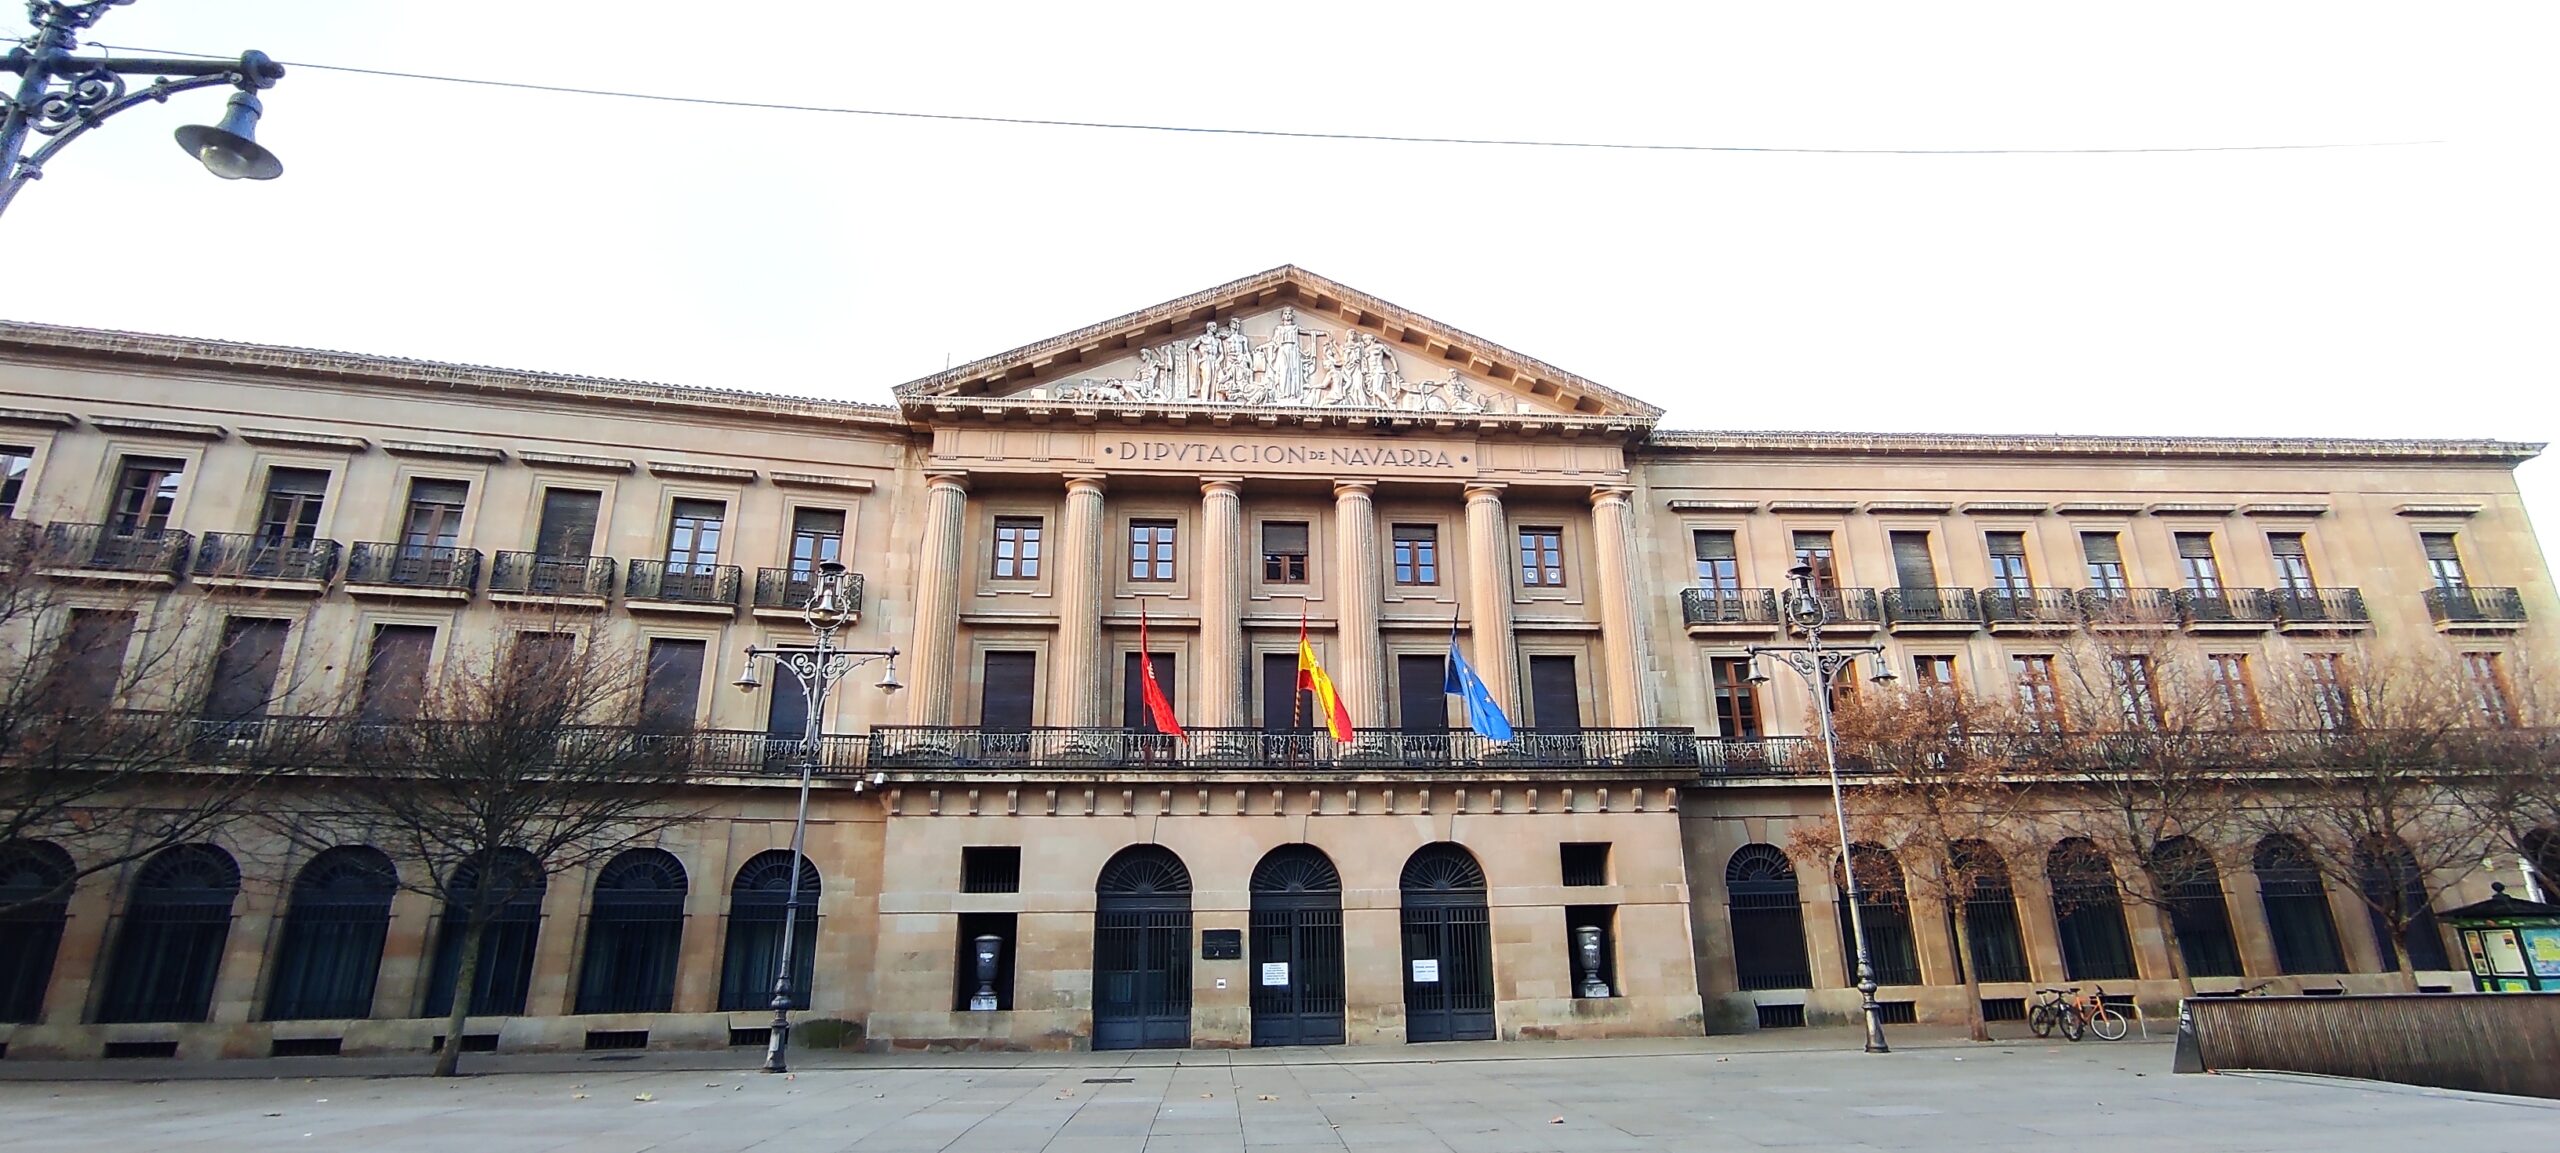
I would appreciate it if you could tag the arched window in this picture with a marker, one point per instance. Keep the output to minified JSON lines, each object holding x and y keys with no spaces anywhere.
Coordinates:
{"x":1448,"y":938}
{"x":1768,"y":920}
{"x":170,"y":948}
{"x":757,"y":900}
{"x":2392,"y":881}
{"x":35,"y":891}
{"x":1297,"y":924}
{"x":1885,"y":909}
{"x":505,"y":972}
{"x":2542,"y":852}
{"x":2297,"y":908}
{"x":2197,"y":912}
{"x":2088,"y":913}
{"x":331,"y":949}
{"x":1990,"y":913}
{"x":634,"y":932}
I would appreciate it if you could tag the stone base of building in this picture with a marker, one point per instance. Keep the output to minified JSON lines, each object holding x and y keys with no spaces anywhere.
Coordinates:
{"x":1943,"y":1005}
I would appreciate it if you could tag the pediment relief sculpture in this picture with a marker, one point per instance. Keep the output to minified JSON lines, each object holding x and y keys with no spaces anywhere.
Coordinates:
{"x":1278,"y":361}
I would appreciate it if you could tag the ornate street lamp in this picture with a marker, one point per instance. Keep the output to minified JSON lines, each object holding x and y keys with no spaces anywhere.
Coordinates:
{"x":63,"y":96}
{"x":816,"y":669}
{"x":1820,"y":667}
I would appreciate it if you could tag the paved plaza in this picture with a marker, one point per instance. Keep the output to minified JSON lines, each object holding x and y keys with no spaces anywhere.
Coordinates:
{"x":1694,"y":1095}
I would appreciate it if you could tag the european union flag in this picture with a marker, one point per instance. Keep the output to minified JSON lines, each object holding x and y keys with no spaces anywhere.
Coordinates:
{"x":1483,"y":715}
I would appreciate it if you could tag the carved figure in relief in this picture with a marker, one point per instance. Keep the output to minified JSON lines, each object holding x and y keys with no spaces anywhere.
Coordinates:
{"x":1204,"y":365}
{"x":1235,"y":364}
{"x":1155,"y":373}
{"x":1288,"y":372}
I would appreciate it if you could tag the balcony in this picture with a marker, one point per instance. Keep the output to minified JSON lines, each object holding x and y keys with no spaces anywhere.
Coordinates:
{"x":564,"y":581}
{"x":2227,"y":610}
{"x":2130,"y":609}
{"x":1928,"y":610}
{"x":2319,"y":610}
{"x":1714,"y":611}
{"x":265,"y":564}
{"x":2030,"y":610}
{"x":747,"y":753}
{"x":783,"y":592}
{"x":1112,"y":749}
{"x":681,"y":587}
{"x":97,"y":552}
{"x":412,"y":572}
{"x":2474,"y":609}
{"x":1758,"y":756}
{"x":1852,"y":610}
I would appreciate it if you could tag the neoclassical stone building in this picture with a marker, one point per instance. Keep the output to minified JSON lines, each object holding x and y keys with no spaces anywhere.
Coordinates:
{"x":1276,"y":458}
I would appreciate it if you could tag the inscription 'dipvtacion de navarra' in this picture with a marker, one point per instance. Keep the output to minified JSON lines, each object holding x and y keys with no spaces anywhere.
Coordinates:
{"x":1275,"y":454}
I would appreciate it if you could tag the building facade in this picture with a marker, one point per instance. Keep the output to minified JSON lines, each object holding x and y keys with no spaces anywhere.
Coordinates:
{"x":1277,"y":462}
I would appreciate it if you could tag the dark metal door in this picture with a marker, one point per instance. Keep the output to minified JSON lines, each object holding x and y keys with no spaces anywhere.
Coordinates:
{"x":1448,"y":947}
{"x":1297,"y":949}
{"x":1142,"y":951}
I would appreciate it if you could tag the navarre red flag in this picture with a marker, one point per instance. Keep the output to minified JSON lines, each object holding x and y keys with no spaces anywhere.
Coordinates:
{"x":1159,"y":709}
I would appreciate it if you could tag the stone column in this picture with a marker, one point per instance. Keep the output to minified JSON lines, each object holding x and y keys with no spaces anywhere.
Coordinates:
{"x":938,"y":568}
{"x":1489,"y":548}
{"x":1222,"y":603}
{"x":1362,"y":679}
{"x":1077,"y":685}
{"x":1627,"y":650}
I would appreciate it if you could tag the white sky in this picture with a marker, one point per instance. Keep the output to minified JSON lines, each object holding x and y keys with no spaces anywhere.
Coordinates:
{"x":2369,"y":292}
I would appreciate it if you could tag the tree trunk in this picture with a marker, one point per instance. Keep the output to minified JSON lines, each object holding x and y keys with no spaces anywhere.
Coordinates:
{"x":465,"y":976}
{"x":1975,"y":1026}
{"x":2399,"y":946}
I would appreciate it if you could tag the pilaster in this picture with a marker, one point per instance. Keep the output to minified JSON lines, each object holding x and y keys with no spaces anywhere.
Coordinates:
{"x":1222,"y":676}
{"x":1363,"y":681}
{"x":1489,"y":588}
{"x":938,"y":569}
{"x":1627,"y":647}
{"x":1078,"y":686}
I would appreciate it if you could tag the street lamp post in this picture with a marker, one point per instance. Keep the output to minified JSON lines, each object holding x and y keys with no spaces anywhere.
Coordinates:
{"x":816,"y":669}
{"x":1820,"y":667}
{"x":62,"y":96}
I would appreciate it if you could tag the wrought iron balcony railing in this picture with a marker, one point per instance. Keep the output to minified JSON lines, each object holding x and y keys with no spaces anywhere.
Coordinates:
{"x":2343,"y":606}
{"x":1852,"y":607}
{"x":956,"y":746}
{"x":2475,"y":605}
{"x":738,"y":752}
{"x":2227,"y":606}
{"x":413,"y":566}
{"x":682,"y":583}
{"x":788,"y":588}
{"x":1714,"y":606}
{"x":251,"y":556}
{"x":2129,"y":606}
{"x":103,"y":548}
{"x":2032,"y":606}
{"x":532,"y":574}
{"x":1931,"y":606}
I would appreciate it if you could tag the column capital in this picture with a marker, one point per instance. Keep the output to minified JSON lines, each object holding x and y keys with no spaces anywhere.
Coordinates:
{"x":1345,"y":489}
{"x":1611,"y":494}
{"x":1093,"y":482}
{"x":954,"y":480}
{"x":1222,"y":486}
{"x":1485,"y":491}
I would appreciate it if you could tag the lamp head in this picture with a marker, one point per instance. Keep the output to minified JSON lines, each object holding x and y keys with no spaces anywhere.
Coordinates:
{"x":747,"y":682}
{"x":1800,"y":573}
{"x":1758,"y":678}
{"x":230,"y":149}
{"x":889,"y":685}
{"x":1884,"y":675}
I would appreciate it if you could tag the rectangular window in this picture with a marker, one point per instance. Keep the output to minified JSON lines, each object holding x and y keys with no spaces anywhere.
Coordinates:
{"x":1284,"y":552}
{"x":1583,"y":864}
{"x":14,"y":463}
{"x":1017,"y":548}
{"x":2136,"y":697}
{"x":88,"y":666}
{"x":1813,"y":550}
{"x":2444,"y":562}
{"x":1285,"y":707}
{"x":2038,"y":701}
{"x":2328,"y":685}
{"x":2196,"y":564}
{"x":672,"y":695}
{"x":1737,"y":699}
{"x":1133,"y":692}
{"x":991,"y":868}
{"x":395,"y":673}
{"x":2293,"y":562}
{"x":1555,"y":695}
{"x":1004,"y":700}
{"x":2008,"y":555}
{"x":568,"y":527}
{"x":434,"y":519}
{"x":1417,"y":549}
{"x":693,"y":536}
{"x":1934,"y":672}
{"x":1542,"y":557}
{"x":1718,"y":571}
{"x":2489,"y":689}
{"x":244,"y":671}
{"x":146,"y":493}
{"x":817,"y":536}
{"x":291,"y":515}
{"x":2106,"y":561}
{"x":786,"y":710}
{"x":2232,"y":692}
{"x":1913,"y":568}
{"x":1150,"y":550}
{"x":537,"y":657}
{"x":1423,"y":709}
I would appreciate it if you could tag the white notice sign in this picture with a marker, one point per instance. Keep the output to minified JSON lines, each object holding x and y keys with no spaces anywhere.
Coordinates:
{"x":1426,"y":972}
{"x":1275,"y":972}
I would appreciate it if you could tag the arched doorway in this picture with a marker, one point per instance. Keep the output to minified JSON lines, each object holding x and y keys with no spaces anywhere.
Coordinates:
{"x":1990,"y":913}
{"x":2192,"y":884}
{"x":1142,"y":951}
{"x":1884,"y":908}
{"x":1767,"y":919}
{"x":333,"y":931}
{"x":756,"y":903}
{"x":2297,"y":906}
{"x":633,"y":935}
{"x":1448,"y":947}
{"x":504,"y":975}
{"x":35,"y":888}
{"x":1297,"y":927}
{"x":174,"y":928}
{"x":2088,"y":913}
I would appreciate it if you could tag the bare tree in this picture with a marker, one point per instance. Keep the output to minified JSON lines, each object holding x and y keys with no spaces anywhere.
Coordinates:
{"x":526,"y":760}
{"x":130,"y":721}
{"x":1935,"y":787}
{"x":2510,"y":779}
{"x":2373,"y":790}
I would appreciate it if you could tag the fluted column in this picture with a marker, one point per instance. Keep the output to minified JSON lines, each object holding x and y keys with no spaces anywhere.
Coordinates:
{"x":1489,"y":548}
{"x":1222,"y":601}
{"x":1362,"y":680}
{"x":938,"y":568}
{"x":1627,"y":650}
{"x":1077,"y":686}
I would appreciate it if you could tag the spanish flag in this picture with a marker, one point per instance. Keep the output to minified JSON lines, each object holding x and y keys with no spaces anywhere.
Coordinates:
{"x":1311,"y":678}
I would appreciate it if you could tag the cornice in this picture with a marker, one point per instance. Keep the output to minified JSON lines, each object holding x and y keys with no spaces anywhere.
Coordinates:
{"x":1143,"y":413}
{"x":1678,"y":441}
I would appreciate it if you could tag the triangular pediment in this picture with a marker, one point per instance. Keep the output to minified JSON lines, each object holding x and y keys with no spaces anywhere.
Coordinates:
{"x":1279,"y":342}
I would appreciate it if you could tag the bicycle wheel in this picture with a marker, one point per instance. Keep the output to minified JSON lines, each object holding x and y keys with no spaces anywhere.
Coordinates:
{"x":2073,"y":1024}
{"x":2040,"y":1020}
{"x":2108,"y":1024}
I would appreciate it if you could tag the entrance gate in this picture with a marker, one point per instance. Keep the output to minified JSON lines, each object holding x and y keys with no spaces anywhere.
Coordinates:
{"x":1448,"y":947}
{"x":1142,"y":951}
{"x":1297,"y":948}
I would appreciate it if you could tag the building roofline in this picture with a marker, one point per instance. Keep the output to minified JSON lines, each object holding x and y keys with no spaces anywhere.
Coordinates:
{"x":2057,"y":444}
{"x":199,"y":353}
